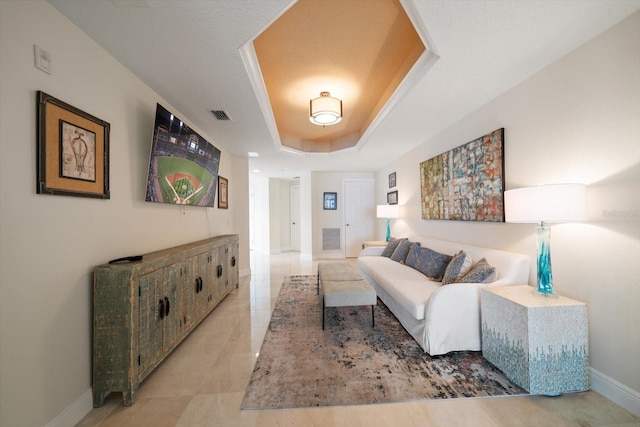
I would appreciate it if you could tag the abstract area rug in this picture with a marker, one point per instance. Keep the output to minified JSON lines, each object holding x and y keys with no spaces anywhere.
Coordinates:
{"x":351,"y":363}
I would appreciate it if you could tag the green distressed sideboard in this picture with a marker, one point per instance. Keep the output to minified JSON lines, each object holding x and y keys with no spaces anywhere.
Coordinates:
{"x":143,"y":309}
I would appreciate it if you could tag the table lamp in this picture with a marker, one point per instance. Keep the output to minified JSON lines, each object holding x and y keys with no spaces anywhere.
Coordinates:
{"x":542,"y":204}
{"x":388,"y":212}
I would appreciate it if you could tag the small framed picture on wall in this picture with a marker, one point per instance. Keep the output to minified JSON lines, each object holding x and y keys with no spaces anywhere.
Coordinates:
{"x":330,"y":201}
{"x":392,"y":180}
{"x":392,"y":198}
{"x":223,"y":193}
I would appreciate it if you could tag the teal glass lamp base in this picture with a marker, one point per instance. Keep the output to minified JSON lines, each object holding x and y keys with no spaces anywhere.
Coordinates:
{"x":388,"y":236}
{"x":545,"y":277}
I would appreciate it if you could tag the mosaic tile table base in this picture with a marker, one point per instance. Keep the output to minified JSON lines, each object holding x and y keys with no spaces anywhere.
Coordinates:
{"x":540,"y":343}
{"x":352,"y":363}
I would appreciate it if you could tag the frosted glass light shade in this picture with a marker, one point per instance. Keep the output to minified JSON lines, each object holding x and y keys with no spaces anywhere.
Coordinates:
{"x":546,"y":203}
{"x":387,"y":211}
{"x":325,"y":110}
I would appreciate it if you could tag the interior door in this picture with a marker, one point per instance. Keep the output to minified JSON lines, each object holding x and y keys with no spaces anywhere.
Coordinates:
{"x":358,"y":214}
{"x":294,"y":203}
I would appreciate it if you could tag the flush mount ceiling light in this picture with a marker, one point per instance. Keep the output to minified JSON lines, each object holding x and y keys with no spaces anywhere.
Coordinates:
{"x":325,"y":110}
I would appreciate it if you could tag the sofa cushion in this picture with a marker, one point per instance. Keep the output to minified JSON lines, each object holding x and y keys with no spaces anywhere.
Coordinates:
{"x":429,"y":262}
{"x":391,"y":247}
{"x":409,"y":288}
{"x":481,"y":272}
{"x":459,"y":265}
{"x":401,"y":252}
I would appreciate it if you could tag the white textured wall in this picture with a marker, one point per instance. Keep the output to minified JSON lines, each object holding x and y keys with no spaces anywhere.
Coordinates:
{"x":329,"y":182}
{"x":261,"y":213}
{"x":306,"y":216}
{"x":578,"y":120}
{"x":239,"y":207}
{"x":285,"y":214}
{"x":49,"y":245}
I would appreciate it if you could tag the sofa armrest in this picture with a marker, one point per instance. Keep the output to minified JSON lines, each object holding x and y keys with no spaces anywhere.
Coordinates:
{"x":454,"y":297}
{"x":372,"y":251}
{"x":453,"y":318}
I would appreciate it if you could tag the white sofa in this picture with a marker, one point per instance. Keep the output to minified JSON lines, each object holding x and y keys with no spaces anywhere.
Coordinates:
{"x":441,"y":318}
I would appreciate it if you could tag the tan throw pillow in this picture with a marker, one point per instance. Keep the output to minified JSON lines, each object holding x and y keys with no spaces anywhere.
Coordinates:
{"x":459,"y":265}
{"x":482,"y":272}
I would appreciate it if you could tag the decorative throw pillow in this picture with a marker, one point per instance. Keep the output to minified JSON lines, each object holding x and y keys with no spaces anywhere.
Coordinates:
{"x":427,"y":261}
{"x":391,"y":247}
{"x":400,"y":254}
{"x":481,"y":272}
{"x":459,"y":265}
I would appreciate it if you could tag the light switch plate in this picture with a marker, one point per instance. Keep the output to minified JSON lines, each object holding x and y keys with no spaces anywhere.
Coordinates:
{"x":42,"y":59}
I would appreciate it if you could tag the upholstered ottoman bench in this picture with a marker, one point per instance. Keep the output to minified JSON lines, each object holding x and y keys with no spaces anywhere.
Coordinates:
{"x":348,"y":293}
{"x":336,"y":272}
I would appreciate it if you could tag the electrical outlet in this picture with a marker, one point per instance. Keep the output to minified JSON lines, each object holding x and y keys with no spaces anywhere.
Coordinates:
{"x":42,"y":59}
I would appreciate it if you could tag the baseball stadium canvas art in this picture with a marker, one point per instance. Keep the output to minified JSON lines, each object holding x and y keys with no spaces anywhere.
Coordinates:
{"x":183,"y":169}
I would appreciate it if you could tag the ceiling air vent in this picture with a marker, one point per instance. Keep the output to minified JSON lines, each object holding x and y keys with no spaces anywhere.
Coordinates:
{"x":221,"y":114}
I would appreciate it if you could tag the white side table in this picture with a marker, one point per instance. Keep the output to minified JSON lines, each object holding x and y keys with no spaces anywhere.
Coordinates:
{"x":540,"y":343}
{"x":368,"y":243}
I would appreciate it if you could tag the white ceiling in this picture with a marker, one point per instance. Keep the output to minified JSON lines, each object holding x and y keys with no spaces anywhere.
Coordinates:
{"x":189,"y":52}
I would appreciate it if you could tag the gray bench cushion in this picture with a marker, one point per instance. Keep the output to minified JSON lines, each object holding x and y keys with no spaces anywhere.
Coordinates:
{"x":337,"y":271}
{"x":348,"y":293}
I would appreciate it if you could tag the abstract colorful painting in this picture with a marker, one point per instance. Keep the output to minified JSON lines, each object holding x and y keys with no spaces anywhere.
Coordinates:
{"x":466,"y":183}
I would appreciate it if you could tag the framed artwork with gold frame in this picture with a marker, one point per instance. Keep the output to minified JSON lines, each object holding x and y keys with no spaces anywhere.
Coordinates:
{"x":72,"y":150}
{"x":223,"y":193}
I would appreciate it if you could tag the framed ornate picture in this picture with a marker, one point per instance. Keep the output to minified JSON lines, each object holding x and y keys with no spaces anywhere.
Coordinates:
{"x":392,"y":198}
{"x":330,"y":201}
{"x":392,"y":180}
{"x":223,"y":193}
{"x":73,"y":150}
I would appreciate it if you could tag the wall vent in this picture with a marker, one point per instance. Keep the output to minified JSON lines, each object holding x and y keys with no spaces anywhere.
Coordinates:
{"x":330,"y":239}
{"x":220,"y":114}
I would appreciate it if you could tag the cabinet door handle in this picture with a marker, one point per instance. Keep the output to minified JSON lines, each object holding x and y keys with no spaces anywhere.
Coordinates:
{"x":233,"y":261}
{"x":197,"y":285}
{"x":219,"y":270}
{"x":167,"y":306}
{"x":161,"y":309}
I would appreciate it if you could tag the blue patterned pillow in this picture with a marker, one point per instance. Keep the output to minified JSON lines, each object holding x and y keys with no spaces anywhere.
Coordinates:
{"x":482,"y":272}
{"x":459,"y":265}
{"x":429,"y":262}
{"x":391,"y":247}
{"x":400,"y":254}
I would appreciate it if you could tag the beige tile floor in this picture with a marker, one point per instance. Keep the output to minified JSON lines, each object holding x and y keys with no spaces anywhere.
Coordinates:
{"x":203,"y":382}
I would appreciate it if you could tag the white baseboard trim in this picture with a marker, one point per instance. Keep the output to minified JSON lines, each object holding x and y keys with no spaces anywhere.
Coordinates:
{"x":618,"y":393}
{"x":73,"y":413}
